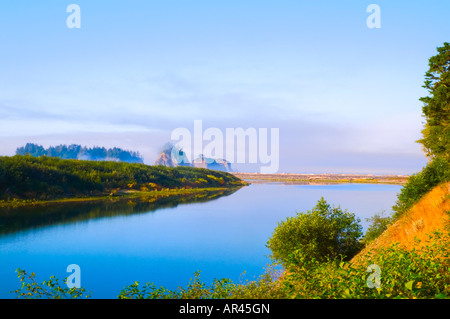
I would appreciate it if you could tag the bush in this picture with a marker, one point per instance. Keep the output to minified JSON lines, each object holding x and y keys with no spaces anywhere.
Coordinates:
{"x":50,"y":289}
{"x":417,"y":273}
{"x":419,"y":184}
{"x":264,"y":287}
{"x":378,"y":224}
{"x":323,"y":233}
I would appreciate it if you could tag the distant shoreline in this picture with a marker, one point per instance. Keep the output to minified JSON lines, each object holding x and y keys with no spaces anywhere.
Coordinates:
{"x":323,"y":178}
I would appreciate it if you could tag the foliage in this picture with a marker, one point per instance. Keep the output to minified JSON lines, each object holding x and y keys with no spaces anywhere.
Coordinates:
{"x":435,"y":135}
{"x":378,"y":224}
{"x":50,"y":289}
{"x":75,"y":151}
{"x":435,"y":173}
{"x":323,"y":233}
{"x":264,"y":287}
{"x":417,"y":273}
{"x":196,"y":289}
{"x":436,"y":109}
{"x":44,"y":178}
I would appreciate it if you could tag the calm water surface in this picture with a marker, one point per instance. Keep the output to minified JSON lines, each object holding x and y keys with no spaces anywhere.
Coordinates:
{"x":166,"y":244}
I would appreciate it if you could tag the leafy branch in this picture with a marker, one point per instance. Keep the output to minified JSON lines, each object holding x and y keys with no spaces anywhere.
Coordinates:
{"x":50,"y":289}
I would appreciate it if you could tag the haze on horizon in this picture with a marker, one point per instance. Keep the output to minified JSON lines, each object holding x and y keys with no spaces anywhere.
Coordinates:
{"x":344,"y":97}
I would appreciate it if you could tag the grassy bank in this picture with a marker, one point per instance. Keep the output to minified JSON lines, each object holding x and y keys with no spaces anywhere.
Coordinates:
{"x":28,"y":180}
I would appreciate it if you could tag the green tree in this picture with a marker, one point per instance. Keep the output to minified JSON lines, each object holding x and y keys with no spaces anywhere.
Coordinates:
{"x":436,"y":108}
{"x":419,"y":184}
{"x":322,"y":233}
{"x":435,"y":134}
{"x":378,"y":224}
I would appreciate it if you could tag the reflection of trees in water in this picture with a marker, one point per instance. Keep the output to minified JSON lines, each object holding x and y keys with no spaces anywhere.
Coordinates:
{"x":24,"y":218}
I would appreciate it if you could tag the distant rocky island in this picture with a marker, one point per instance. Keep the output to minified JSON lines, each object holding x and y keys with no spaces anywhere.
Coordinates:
{"x":171,"y":156}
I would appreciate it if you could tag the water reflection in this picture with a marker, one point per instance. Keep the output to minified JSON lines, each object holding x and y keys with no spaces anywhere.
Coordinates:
{"x":18,"y":219}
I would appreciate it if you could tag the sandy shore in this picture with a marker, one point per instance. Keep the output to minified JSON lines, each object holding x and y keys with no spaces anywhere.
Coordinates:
{"x":322,"y":178}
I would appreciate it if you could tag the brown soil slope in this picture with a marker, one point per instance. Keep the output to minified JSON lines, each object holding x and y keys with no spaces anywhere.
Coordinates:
{"x":430,"y":214}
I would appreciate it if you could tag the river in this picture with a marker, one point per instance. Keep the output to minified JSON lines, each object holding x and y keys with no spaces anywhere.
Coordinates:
{"x":165,"y":243}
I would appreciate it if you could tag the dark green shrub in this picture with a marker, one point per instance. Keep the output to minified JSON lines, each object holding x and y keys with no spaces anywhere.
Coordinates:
{"x":378,"y":224}
{"x":419,"y":184}
{"x":323,"y":233}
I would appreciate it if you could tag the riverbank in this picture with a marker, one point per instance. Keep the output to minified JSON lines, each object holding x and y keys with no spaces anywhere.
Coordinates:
{"x":322,"y":178}
{"x":27,"y":180}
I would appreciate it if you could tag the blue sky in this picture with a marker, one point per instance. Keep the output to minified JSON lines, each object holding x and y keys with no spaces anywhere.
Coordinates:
{"x":345,"y":97}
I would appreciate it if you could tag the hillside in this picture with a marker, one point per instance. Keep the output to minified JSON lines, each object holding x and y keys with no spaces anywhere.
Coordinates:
{"x":409,"y":260}
{"x":46,"y":178}
{"x":429,"y":215}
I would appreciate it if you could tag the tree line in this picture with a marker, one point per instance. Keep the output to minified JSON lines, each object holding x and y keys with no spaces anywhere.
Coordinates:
{"x":75,"y":151}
